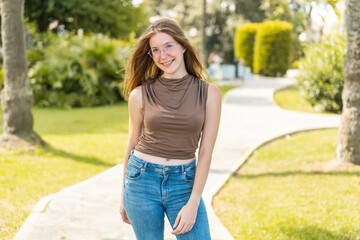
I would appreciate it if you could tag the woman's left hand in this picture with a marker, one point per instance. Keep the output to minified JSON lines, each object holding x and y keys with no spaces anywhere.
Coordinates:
{"x":185,"y":219}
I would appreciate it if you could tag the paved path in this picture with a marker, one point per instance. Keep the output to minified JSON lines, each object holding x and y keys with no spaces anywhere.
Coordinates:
{"x":89,"y":210}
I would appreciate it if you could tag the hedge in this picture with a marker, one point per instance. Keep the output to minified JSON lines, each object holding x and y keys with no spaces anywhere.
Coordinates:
{"x":244,"y":42}
{"x":272,"y":48}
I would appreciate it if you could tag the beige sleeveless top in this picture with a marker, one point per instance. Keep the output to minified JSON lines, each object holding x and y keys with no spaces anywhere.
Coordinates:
{"x":174,"y":116}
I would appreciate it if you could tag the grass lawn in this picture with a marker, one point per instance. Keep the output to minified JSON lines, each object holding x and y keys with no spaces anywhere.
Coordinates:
{"x":225,"y":86}
{"x":83,"y":142}
{"x":291,"y":99}
{"x":290,"y":189}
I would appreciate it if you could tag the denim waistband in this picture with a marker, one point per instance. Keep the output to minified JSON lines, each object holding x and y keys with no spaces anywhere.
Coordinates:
{"x":159,"y":167}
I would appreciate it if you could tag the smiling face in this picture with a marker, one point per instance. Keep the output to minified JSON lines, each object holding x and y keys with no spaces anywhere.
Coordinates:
{"x":168,"y":55}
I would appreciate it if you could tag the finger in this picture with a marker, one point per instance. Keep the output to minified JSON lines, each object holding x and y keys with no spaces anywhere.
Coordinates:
{"x":179,"y":229}
{"x":125,"y":218}
{"x":190,"y":227}
{"x":185,"y":230}
{"x":177,"y":220}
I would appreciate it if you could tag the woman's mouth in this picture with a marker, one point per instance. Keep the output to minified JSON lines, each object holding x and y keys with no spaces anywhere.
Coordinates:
{"x":167,"y":63}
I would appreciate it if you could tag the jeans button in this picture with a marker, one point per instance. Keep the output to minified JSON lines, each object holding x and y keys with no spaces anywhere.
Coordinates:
{"x":166,"y":169}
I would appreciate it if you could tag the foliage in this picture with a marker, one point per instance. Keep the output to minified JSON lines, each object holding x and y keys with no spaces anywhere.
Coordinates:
{"x":272,"y":48}
{"x":277,"y":9}
{"x":221,"y":21}
{"x":290,"y":98}
{"x":295,"y":12}
{"x":298,"y":12}
{"x":321,"y":78}
{"x":76,"y":70}
{"x":250,"y":10}
{"x":116,"y":18}
{"x":83,"y":142}
{"x":221,"y":34}
{"x":244,"y":42}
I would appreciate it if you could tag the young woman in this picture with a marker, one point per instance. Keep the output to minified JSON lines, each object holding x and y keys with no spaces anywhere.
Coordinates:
{"x":170,"y":106}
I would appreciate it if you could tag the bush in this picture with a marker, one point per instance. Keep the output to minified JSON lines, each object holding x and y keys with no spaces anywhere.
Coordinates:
{"x":272,"y":48}
{"x":244,"y":42}
{"x":321,"y":78}
{"x":76,"y":70}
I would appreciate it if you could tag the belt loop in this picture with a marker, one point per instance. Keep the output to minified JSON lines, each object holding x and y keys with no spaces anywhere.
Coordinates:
{"x":145,"y":165}
{"x":182,"y":168}
{"x":131,"y":153}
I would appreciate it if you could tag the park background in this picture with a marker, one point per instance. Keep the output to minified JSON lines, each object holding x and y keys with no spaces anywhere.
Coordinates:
{"x":76,"y":54}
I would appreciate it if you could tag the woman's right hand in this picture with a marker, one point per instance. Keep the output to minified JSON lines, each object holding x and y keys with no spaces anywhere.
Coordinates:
{"x":123,"y":213}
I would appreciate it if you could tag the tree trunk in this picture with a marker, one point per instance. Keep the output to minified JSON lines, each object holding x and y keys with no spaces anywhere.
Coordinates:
{"x":16,"y":100}
{"x":348,"y":148}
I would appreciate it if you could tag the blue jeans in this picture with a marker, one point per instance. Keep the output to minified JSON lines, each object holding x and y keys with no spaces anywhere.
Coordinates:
{"x":151,"y":190}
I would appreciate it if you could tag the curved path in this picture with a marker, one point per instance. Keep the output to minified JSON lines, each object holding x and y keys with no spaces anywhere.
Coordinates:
{"x":89,"y":210}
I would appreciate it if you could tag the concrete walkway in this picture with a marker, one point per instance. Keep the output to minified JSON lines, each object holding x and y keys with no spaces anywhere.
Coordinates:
{"x":89,"y":210}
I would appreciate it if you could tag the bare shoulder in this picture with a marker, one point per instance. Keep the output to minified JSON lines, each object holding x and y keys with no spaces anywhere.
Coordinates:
{"x":135,"y":95}
{"x":214,"y":92}
{"x":135,"y":98}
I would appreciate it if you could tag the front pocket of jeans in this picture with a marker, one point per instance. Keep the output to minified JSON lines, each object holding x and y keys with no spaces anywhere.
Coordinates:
{"x":133,"y":172}
{"x":189,"y":175}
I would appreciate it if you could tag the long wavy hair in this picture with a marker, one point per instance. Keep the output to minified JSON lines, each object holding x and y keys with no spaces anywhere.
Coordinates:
{"x":141,"y":68}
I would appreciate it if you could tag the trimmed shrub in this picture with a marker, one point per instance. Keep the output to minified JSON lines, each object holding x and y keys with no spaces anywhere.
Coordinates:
{"x":244,"y":42}
{"x":321,"y":78}
{"x":272,"y":48}
{"x":76,"y":71}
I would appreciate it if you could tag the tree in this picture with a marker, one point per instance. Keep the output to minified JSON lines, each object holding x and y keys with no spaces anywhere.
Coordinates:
{"x":250,"y":10}
{"x":15,"y":97}
{"x":348,"y":148}
{"x":116,"y":18}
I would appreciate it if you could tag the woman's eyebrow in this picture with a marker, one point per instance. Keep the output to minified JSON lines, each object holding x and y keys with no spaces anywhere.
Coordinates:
{"x":162,"y":45}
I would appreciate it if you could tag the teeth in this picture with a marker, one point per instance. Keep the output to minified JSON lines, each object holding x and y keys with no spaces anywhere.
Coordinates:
{"x":167,"y":63}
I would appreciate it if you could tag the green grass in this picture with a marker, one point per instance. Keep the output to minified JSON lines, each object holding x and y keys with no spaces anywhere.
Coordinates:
{"x":83,"y":142}
{"x":224,"y":87}
{"x":291,"y":99}
{"x":288,"y":190}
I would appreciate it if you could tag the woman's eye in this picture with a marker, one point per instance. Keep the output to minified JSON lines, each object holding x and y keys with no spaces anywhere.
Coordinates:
{"x":155,"y":50}
{"x":169,"y":46}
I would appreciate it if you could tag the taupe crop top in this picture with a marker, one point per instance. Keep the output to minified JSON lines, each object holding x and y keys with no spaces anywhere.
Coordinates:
{"x":174,"y":116}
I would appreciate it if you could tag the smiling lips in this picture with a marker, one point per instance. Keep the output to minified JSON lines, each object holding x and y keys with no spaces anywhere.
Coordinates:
{"x":167,"y":63}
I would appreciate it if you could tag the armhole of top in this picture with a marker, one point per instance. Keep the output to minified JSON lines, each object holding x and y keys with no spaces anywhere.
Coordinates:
{"x":143,"y":98}
{"x":205,"y":88}
{"x":206,"y":91}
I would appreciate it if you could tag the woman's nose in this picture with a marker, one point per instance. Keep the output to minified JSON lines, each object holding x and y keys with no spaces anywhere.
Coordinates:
{"x":163,"y":54}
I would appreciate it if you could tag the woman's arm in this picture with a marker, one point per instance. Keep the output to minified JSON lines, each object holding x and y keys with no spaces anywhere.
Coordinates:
{"x":136,"y":117}
{"x":186,"y":217}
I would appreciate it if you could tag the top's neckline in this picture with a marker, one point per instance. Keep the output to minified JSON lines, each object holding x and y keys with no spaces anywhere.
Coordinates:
{"x":167,"y":85}
{"x":175,"y":79}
